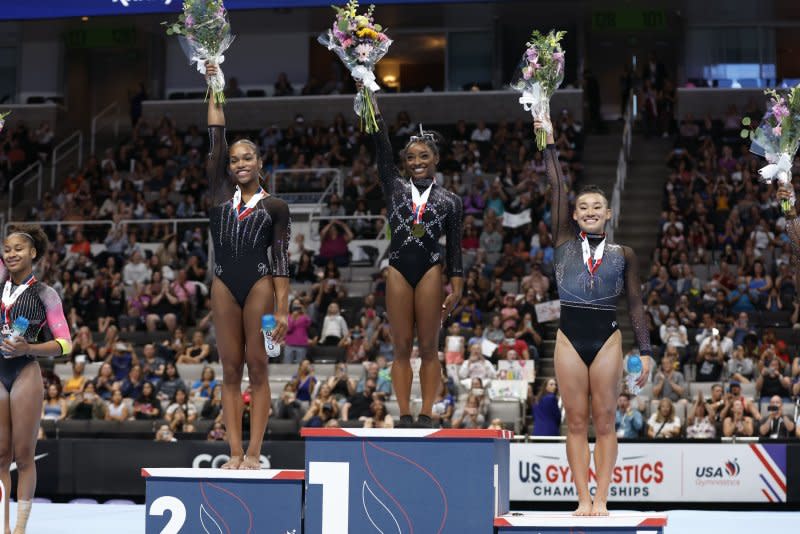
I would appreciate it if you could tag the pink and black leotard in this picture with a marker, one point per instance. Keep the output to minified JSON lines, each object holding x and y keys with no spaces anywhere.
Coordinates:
{"x":41,"y":306}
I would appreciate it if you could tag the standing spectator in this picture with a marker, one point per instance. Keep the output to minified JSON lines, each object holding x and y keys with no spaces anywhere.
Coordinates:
{"x":710,"y":359}
{"x":740,"y":367}
{"x":476,"y":366}
{"x":306,"y":381}
{"x":673,"y":333}
{"x":481,"y":133}
{"x":297,"y":334}
{"x":669,"y":383}
{"x":628,"y":419}
{"x":776,"y":425}
{"x":334,"y":327}
{"x":771,"y":381}
{"x":664,"y":423}
{"x":546,"y":411}
{"x":341,"y":386}
{"x":334,"y":238}
{"x":83,"y":344}
{"x":136,"y":271}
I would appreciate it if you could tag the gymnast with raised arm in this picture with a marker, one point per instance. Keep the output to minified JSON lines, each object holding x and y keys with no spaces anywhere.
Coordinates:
{"x":246,"y":222}
{"x":47,"y":335}
{"x":591,"y":276}
{"x":420,"y":212}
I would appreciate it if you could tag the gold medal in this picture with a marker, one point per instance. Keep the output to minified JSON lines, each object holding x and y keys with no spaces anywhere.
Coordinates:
{"x":418,"y":230}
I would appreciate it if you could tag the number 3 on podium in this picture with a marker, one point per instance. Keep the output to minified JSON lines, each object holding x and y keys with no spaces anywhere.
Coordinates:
{"x":334,"y":477}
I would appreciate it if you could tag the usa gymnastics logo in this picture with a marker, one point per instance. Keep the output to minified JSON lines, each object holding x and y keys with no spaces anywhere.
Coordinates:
{"x":726,"y":474}
{"x":126,"y":3}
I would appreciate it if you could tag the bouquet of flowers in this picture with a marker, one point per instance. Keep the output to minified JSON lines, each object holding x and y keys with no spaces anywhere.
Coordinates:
{"x":3,"y":119}
{"x":541,"y":72}
{"x":205,"y":36}
{"x":360,"y":44}
{"x":777,"y":137}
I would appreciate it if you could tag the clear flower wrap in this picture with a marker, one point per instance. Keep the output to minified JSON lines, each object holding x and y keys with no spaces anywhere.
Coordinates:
{"x":541,"y":72}
{"x":360,"y":44}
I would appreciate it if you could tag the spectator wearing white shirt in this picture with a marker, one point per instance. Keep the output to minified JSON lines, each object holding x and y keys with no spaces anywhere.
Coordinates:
{"x":664,"y":424}
{"x":673,"y":333}
{"x":476,"y":366}
{"x":761,"y":236}
{"x":334,"y":327}
{"x":481,"y":134}
{"x":136,"y":271}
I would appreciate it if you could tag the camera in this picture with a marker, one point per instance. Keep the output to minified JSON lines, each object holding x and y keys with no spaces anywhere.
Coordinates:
{"x":772,"y":408}
{"x":327,"y":407}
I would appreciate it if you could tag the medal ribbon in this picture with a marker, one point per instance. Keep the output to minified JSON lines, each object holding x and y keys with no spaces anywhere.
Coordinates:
{"x":244,"y":211}
{"x":9,"y":298}
{"x":592,"y":262}
{"x":418,"y":202}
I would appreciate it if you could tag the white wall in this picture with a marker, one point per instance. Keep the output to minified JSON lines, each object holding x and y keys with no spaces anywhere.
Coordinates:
{"x":255,"y":59}
{"x":41,"y":62}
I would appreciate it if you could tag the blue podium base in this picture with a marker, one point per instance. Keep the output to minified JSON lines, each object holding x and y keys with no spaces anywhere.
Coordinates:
{"x":217,"y":501}
{"x":566,"y":523}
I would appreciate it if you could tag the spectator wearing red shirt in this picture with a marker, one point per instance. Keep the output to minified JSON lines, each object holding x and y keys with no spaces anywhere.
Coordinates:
{"x":80,"y":245}
{"x":512,"y":343}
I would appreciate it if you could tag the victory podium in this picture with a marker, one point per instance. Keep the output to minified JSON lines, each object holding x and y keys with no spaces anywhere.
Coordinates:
{"x":217,"y":501}
{"x":405,"y":480}
{"x":566,"y":523}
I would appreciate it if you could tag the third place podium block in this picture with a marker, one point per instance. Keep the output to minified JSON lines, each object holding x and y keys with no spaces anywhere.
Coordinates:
{"x":217,"y":501}
{"x":405,"y":480}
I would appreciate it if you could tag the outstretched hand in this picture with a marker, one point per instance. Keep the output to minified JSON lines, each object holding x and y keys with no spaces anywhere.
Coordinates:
{"x":647,"y":364}
{"x":211,"y":70}
{"x":785,"y":192}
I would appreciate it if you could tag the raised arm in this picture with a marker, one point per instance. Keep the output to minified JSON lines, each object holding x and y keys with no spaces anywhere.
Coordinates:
{"x":384,"y":154}
{"x":220,"y":186}
{"x":559,"y":200}
{"x":633,"y":288}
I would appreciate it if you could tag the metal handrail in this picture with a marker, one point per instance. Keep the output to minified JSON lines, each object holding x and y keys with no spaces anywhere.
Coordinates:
{"x":114,"y":106}
{"x":109,"y":222}
{"x":337,"y":179}
{"x":57,"y":158}
{"x":39,"y":176}
{"x":622,"y":165}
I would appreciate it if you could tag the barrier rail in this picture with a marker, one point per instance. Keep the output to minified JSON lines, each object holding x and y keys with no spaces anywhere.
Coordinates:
{"x":307,"y":196}
{"x":103,"y":114}
{"x":39,"y":176}
{"x":73,"y":143}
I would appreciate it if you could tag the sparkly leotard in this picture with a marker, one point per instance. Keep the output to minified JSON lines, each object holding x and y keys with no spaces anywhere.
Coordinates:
{"x":41,"y":306}
{"x":589,"y":301}
{"x":414,"y":256}
{"x":241,"y":241}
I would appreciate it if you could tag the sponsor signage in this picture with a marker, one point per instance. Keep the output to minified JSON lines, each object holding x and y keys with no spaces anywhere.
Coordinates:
{"x":664,"y":472}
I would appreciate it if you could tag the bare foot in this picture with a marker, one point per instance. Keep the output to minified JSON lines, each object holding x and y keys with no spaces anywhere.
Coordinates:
{"x":250,"y":463}
{"x":233,"y":463}
{"x":599,"y":509}
{"x":583,"y":509}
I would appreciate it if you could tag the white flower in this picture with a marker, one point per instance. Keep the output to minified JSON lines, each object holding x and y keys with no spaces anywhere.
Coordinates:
{"x":363,"y":51}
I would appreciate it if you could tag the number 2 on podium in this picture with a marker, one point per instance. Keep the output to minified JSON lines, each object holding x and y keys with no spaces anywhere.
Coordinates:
{"x":177,"y":516}
{"x":334,"y":477}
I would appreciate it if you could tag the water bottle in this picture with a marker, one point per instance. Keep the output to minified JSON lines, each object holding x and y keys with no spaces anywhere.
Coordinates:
{"x":268,"y":324}
{"x":634,"y":368}
{"x":19,"y":327}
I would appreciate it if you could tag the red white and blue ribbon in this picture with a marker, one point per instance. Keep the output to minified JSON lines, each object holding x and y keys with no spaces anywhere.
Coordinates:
{"x":419,"y":201}
{"x":10,"y":298}
{"x":592,"y":261}
{"x":242,"y":211}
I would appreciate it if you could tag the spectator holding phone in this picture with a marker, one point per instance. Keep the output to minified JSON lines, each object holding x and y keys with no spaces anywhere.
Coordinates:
{"x":776,"y":425}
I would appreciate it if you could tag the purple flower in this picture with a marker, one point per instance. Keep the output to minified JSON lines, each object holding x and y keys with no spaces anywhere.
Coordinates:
{"x":532,"y":55}
{"x":527,"y":72}
{"x":779,"y":109}
{"x":776,"y":130}
{"x":189,"y":21}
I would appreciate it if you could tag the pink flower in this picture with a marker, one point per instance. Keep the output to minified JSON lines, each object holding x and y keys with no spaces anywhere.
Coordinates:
{"x":779,"y":109}
{"x":776,"y":130}
{"x":527,"y":73}
{"x":2,"y":123}
{"x":347,"y":43}
{"x":189,"y":21}
{"x":532,"y":54}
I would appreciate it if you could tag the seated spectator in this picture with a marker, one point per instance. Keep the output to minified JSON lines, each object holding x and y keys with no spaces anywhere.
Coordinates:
{"x":470,"y":416}
{"x":669,"y":383}
{"x":360,"y":404}
{"x":75,"y":383}
{"x":476,"y":366}
{"x":304,"y":273}
{"x":136,"y":271}
{"x":171,"y":383}
{"x":772,"y":381}
{"x":664,"y":423}
{"x":122,"y":358}
{"x":199,"y":350}
{"x":737,"y":423}
{"x":380,"y":417}
{"x":296,"y":344}
{"x":628,"y":419}
{"x":334,"y":327}
{"x":116,"y":409}
{"x":306,"y":381}
{"x":131,"y":387}
{"x":776,"y":425}
{"x":381,"y":375}
{"x":104,"y":381}
{"x":494,"y":332}
{"x":204,"y":386}
{"x":181,"y":414}
{"x":87,"y":404}
{"x":496,"y":424}
{"x":530,"y":336}
{"x":164,"y":305}
{"x":334,"y":238}
{"x":443,"y":406}
{"x":147,"y":406}
{"x":164,"y":434}
{"x":340,"y":385}
{"x":217,"y":432}
{"x":740,"y":367}
{"x":700,"y":424}
{"x":546,"y":411}
{"x":710,"y":359}
{"x":287,"y":406}
{"x":212,"y":408}
{"x":510,"y":343}
{"x":54,"y":407}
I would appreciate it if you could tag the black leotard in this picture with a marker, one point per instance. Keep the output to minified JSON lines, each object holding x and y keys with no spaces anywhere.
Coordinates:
{"x":589,"y":303}
{"x":240,"y":246}
{"x":410,"y":255}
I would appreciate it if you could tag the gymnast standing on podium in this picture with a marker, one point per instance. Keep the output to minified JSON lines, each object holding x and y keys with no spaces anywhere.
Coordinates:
{"x":245,"y":222}
{"x":591,"y":275}
{"x":420,"y":213}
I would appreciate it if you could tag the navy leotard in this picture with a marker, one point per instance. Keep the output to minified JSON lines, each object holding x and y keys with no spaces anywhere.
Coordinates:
{"x":443,"y":215}
{"x":241,"y":246}
{"x":589,"y":303}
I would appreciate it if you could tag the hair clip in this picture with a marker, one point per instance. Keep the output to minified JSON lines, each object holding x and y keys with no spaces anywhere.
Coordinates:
{"x":423,"y":136}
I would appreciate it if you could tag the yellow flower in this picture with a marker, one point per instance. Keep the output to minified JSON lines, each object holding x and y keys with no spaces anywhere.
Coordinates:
{"x":367,"y":32}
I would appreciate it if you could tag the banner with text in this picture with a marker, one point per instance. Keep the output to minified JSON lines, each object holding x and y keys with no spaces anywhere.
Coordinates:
{"x":663,"y":472}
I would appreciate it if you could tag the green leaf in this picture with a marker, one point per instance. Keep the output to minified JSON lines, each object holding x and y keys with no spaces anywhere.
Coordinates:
{"x":342,"y":25}
{"x":746,"y":121}
{"x":378,"y":28}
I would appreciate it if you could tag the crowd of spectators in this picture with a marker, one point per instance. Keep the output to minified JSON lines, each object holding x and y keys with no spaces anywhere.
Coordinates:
{"x":20,"y":147}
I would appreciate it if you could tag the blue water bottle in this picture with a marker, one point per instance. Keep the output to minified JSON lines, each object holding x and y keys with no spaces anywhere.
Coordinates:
{"x":268,"y":324}
{"x":18,"y":328}
{"x":634,"y":368}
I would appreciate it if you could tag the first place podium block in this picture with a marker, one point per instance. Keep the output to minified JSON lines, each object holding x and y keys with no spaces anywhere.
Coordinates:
{"x":566,"y":523}
{"x":217,"y":501}
{"x":405,"y":481}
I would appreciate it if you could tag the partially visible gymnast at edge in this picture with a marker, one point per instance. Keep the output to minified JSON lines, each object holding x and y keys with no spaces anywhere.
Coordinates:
{"x":245,"y":222}
{"x":420,"y":212}
{"x":591,"y":275}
